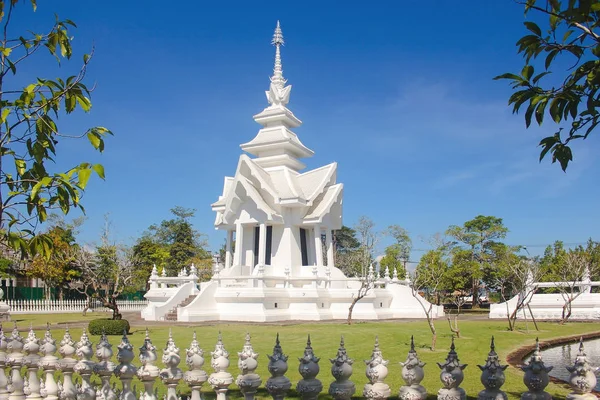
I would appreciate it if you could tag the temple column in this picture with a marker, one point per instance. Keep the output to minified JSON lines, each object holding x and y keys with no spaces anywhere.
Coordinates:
{"x":239,"y":243}
{"x":318,"y":246}
{"x":228,"y":244}
{"x":329,"y":244}
{"x":262,"y":244}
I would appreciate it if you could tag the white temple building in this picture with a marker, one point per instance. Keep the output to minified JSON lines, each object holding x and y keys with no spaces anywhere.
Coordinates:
{"x":278,"y":220}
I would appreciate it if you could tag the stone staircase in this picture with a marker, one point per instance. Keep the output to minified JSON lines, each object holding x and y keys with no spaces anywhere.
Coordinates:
{"x":172,"y":315}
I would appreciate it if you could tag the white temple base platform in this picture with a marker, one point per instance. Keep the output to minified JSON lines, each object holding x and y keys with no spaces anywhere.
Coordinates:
{"x":250,"y":300}
{"x":549,"y":307}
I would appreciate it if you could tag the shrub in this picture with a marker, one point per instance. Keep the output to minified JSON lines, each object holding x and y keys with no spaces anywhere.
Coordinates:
{"x":108,"y":326}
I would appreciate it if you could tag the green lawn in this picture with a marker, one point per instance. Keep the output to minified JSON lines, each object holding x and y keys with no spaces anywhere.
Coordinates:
{"x":394,"y":339}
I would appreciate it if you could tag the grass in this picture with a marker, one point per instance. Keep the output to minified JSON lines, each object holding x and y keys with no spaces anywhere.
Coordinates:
{"x":394,"y":339}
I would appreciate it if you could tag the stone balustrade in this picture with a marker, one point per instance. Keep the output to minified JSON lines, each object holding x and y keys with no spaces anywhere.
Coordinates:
{"x":69,"y":306}
{"x":31,"y":370}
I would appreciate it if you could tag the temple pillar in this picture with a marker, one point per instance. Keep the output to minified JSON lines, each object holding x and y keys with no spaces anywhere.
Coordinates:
{"x":318,"y":246}
{"x":329,"y":244}
{"x":262,"y":244}
{"x":239,"y":243}
{"x":228,"y":245}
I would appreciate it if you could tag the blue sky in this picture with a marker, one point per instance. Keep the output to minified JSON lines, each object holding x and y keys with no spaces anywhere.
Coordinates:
{"x":399,"y":93}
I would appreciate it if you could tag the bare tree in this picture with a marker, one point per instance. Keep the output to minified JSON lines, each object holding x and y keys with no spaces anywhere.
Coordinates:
{"x":366,"y":284}
{"x":458,"y":298}
{"x":570,"y":274}
{"x":518,"y":279}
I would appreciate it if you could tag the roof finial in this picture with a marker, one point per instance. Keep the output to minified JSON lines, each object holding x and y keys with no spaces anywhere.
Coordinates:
{"x":277,"y":41}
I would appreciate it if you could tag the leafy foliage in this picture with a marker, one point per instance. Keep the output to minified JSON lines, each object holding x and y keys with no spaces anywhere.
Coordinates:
{"x":571,"y":32}
{"x":108,"y":326}
{"x":29,"y":135}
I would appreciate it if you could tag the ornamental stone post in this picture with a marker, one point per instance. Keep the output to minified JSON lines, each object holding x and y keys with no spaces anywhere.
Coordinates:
{"x":413,"y":374}
{"x":125,"y":371}
{"x":195,"y":377}
{"x":492,"y":376}
{"x":3,"y":378}
{"x":67,"y":365}
{"x":341,"y":369}
{"x":31,"y":360}
{"x":85,"y":368}
{"x":583,"y":378}
{"x":148,"y":372}
{"x":376,"y":372}
{"x":171,"y":374}
{"x":452,"y":376}
{"x":278,"y":384}
{"x":15,"y":361}
{"x":309,"y":387}
{"x":220,"y":379}
{"x":49,"y":363}
{"x":248,"y":381}
{"x":536,"y":376}
{"x":104,"y":368}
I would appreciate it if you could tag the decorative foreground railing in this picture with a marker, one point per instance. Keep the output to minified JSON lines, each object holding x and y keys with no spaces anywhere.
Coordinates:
{"x":68,"y":306}
{"x":30,"y":354}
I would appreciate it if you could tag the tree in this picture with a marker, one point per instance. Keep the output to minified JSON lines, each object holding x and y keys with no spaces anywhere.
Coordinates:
{"x":477,"y":239}
{"x":366,"y":284}
{"x":346,"y":251}
{"x":403,"y":243}
{"x":392,"y":259}
{"x":571,"y":40}
{"x":29,"y":134}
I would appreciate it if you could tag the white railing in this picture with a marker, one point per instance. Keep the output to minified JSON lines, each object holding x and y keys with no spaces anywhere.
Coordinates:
{"x":68,"y":306}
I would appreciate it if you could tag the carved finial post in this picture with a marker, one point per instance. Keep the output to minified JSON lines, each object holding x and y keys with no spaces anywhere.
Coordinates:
{"x":15,"y":361}
{"x":278,"y":41}
{"x":31,"y":349}
{"x":582,"y":379}
{"x":341,"y":369}
{"x":395,"y":275}
{"x":125,"y":371}
{"x":452,"y":376}
{"x":376,"y":372}
{"x":3,"y":378}
{"x":536,"y":376}
{"x":66,"y":365}
{"x":248,"y":381}
{"x":278,"y":384}
{"x":171,"y":374}
{"x":220,"y":379}
{"x":386,"y":274}
{"x":148,"y":372}
{"x":104,"y":368}
{"x":195,"y":377}
{"x":85,"y":367}
{"x":492,"y":376}
{"x":413,"y":374}
{"x":49,"y":363}
{"x":309,"y":387}
{"x":153,"y":278}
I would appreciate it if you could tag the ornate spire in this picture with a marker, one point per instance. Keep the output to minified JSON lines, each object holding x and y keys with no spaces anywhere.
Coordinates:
{"x":278,"y":93}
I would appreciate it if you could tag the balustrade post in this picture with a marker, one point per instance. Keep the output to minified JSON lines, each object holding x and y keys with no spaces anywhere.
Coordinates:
{"x":413,"y":374}
{"x":376,"y":372}
{"x":15,"y":361}
{"x":492,"y":376}
{"x":31,"y":360}
{"x":49,"y":363}
{"x":278,"y":384}
{"x":220,"y":379}
{"x":341,"y":369}
{"x":309,"y":387}
{"x":104,"y":368}
{"x":125,"y":371}
{"x":67,"y":365}
{"x":3,"y":378}
{"x":195,"y":377}
{"x":582,"y":379}
{"x":452,"y":376}
{"x":85,"y":367}
{"x":248,"y":381}
{"x":148,"y":372}
{"x":536,"y":376}
{"x":171,"y":374}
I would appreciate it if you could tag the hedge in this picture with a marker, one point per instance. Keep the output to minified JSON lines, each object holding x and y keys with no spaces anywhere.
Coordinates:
{"x":108,"y":326}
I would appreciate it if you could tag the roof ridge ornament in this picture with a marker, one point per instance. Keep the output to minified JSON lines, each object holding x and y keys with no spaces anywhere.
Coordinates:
{"x":278,"y":93}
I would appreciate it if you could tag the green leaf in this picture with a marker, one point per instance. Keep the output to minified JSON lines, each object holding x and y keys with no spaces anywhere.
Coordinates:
{"x":21,"y":166}
{"x":533,"y":27}
{"x":94,"y":139}
{"x":527,"y":72}
{"x":508,"y":76}
{"x":83,"y":176}
{"x":4,"y":115}
{"x":99,"y":169}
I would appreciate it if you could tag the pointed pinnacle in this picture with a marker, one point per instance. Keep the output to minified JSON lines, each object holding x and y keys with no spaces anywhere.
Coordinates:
{"x":581,"y":344}
{"x":194,"y":336}
{"x":277,"y":36}
{"x":277,"y":339}
{"x":376,"y":342}
{"x":308,"y":343}
{"x":342,"y":341}
{"x":452,"y":347}
{"x":147,"y":333}
{"x":492,"y":345}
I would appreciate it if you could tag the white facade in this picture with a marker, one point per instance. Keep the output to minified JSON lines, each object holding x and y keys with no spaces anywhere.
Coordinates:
{"x":278,"y":220}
